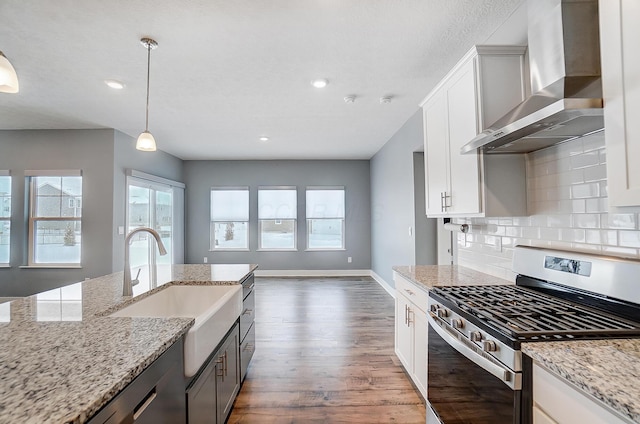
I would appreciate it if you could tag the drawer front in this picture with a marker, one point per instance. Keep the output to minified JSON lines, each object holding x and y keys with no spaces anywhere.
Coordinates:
{"x":247,"y":348}
{"x":248,"y":314}
{"x":412,"y":292}
{"x":247,"y":285}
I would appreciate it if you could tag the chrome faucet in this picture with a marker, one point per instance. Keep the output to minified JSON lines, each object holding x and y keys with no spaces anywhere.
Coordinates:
{"x":127,"y":287}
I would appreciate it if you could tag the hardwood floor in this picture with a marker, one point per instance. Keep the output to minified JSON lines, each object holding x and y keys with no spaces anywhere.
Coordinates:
{"x":325,"y":354}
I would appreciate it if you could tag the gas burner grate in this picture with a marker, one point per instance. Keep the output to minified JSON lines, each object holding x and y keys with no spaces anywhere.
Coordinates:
{"x":525,"y":314}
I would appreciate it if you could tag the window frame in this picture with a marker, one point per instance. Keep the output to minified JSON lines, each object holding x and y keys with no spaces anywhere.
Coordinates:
{"x":213,"y":222}
{"x":261,"y":221}
{"x":33,"y":220}
{"x":7,"y":219}
{"x":343,"y":218}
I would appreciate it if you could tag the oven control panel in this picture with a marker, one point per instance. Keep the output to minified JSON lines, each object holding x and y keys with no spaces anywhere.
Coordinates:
{"x":474,"y":334}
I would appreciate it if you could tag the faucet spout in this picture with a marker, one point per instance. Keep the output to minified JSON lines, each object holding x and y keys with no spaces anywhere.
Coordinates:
{"x":127,"y":286}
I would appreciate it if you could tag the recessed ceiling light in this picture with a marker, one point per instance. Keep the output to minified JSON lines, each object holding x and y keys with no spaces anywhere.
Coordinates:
{"x":320,"y":83}
{"x":114,"y":84}
{"x":264,"y":138}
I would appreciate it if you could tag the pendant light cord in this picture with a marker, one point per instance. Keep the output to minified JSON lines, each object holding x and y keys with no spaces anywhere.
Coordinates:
{"x":148,"y":74}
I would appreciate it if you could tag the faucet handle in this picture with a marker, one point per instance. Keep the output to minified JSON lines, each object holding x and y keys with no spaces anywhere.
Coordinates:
{"x":135,"y":280}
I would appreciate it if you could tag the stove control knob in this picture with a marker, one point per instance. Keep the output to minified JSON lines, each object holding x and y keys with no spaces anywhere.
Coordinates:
{"x":475,"y":336}
{"x":443,"y":313}
{"x":489,"y":346}
{"x":457,"y":323}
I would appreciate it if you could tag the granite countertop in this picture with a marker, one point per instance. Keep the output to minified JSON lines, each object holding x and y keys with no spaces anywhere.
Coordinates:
{"x":608,"y":370}
{"x":62,"y":359}
{"x":429,"y":276}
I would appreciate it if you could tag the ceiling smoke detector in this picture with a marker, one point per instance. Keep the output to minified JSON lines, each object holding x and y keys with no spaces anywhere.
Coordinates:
{"x":385,"y":99}
{"x":350,"y":99}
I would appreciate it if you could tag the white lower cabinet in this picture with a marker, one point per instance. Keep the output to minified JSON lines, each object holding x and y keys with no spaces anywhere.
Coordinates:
{"x":411,"y":331}
{"x":557,"y":402}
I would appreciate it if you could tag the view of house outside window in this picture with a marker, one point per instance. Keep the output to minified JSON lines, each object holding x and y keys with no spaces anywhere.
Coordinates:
{"x":325,"y":218}
{"x":5,"y":218}
{"x":229,"y":218}
{"x":277,"y":217}
{"x":55,"y":220}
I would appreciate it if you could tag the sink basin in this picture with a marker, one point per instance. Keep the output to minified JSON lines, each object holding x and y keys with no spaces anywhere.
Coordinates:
{"x":215,"y":309}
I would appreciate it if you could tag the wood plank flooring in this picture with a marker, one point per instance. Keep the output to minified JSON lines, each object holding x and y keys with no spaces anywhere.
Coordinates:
{"x":325,"y":354}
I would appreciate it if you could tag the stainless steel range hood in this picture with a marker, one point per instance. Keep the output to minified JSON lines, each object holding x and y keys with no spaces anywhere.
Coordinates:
{"x":564,"y":56}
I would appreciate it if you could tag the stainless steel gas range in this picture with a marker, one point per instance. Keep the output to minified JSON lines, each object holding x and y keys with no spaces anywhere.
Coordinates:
{"x":476,"y":372}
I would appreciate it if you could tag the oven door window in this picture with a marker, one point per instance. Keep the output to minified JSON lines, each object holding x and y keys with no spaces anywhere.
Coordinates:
{"x":461,"y":392}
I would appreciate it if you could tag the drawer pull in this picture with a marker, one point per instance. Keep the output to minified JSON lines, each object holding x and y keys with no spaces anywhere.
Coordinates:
{"x":145,"y":404}
{"x":409,"y":291}
{"x":247,"y":312}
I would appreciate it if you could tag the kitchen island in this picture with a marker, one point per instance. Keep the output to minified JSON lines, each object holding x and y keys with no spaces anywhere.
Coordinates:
{"x":62,"y":360}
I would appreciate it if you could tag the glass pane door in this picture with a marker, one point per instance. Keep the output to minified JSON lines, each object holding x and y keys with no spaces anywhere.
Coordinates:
{"x":150,"y":206}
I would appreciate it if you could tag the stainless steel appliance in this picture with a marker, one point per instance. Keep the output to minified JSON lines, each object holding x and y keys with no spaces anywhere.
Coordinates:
{"x":564,"y":56}
{"x":476,"y":371}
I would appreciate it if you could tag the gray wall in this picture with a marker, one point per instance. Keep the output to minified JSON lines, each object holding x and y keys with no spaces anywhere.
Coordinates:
{"x":392,"y":201}
{"x":126,"y":156}
{"x":88,"y":150}
{"x":425,"y":228}
{"x":200,"y":176}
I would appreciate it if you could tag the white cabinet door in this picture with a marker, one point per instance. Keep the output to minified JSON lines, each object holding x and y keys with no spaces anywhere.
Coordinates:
{"x":436,"y":154}
{"x":420,"y":350}
{"x":619,"y":33}
{"x":404,"y":333}
{"x":540,"y":417}
{"x":463,"y":126}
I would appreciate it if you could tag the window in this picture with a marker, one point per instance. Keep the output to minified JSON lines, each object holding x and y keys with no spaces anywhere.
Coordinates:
{"x":229,"y":218}
{"x":5,"y":216}
{"x":55,"y":231}
{"x":156,"y":203}
{"x":325,"y":218}
{"x":277,"y":213}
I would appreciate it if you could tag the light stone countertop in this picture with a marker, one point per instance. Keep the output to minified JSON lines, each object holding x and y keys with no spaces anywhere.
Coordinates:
{"x":608,"y":370}
{"x":429,"y":276}
{"x":62,"y":359}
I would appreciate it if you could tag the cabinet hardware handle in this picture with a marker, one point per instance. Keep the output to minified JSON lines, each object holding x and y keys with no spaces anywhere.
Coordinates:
{"x":225,"y":363}
{"x":409,"y":321}
{"x":442,"y":208}
{"x":409,"y":291}
{"x":248,"y":347}
{"x":247,"y":312}
{"x":405,"y":313}
{"x":145,"y":404}
{"x":220,"y":369}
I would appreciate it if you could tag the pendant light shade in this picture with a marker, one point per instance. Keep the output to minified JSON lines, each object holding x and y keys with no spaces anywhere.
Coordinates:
{"x":8,"y":76}
{"x":146,"y":142}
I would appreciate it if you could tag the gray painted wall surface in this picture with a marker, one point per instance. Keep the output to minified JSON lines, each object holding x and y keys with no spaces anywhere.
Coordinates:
{"x":126,"y":156}
{"x":426,"y":231}
{"x":88,"y":150}
{"x":392,"y":200}
{"x":200,"y":176}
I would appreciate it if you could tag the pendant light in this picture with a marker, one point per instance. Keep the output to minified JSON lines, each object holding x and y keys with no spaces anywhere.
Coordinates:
{"x":8,"y":76}
{"x":146,"y":142}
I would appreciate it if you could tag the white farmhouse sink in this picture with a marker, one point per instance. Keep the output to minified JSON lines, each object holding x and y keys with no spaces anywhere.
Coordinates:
{"x":215,"y":309}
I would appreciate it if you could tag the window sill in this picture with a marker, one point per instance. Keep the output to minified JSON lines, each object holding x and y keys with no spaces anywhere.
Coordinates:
{"x":276,"y":250}
{"x":5,"y":266}
{"x":229,"y":250}
{"x":50,"y":266}
{"x":326,"y":250}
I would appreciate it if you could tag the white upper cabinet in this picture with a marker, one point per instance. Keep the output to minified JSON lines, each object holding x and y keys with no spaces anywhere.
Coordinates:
{"x":486,"y":84}
{"x":619,"y":35}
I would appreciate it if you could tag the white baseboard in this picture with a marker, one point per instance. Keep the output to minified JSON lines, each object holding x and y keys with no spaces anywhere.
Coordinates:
{"x":312,"y":273}
{"x":386,"y":286}
{"x":327,"y":273}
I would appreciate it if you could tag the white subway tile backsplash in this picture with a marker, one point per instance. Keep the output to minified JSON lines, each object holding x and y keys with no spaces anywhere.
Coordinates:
{"x":568,"y":207}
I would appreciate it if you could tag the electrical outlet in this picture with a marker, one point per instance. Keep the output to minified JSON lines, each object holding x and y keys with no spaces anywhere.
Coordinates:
{"x":206,"y":259}
{"x":349,"y":259}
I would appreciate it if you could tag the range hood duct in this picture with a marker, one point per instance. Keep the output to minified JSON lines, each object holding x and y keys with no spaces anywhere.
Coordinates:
{"x":564,"y":57}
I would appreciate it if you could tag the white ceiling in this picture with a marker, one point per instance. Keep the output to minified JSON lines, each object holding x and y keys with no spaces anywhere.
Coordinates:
{"x":227,"y":72}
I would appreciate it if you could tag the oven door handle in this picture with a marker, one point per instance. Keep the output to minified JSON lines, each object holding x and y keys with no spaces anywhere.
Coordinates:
{"x":505,"y":375}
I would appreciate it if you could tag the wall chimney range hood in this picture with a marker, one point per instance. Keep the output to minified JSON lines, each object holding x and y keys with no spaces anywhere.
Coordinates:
{"x":564,"y":57}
